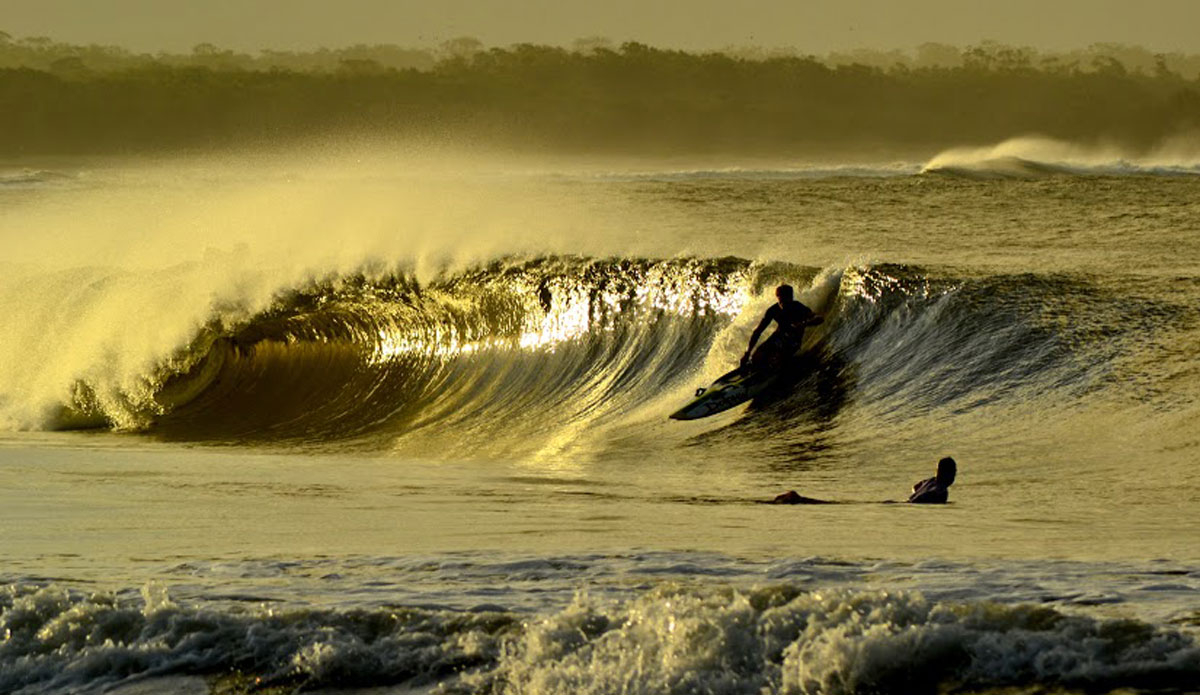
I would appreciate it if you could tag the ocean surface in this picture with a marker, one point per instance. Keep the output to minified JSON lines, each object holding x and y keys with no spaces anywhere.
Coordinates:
{"x":396,"y":421}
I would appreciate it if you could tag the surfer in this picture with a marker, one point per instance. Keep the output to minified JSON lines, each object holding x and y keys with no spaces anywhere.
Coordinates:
{"x":758,"y":369}
{"x":935,"y":490}
{"x":790,"y":317}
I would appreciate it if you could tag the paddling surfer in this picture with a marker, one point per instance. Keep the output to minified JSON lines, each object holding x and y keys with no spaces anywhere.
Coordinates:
{"x":935,"y":490}
{"x":790,"y":317}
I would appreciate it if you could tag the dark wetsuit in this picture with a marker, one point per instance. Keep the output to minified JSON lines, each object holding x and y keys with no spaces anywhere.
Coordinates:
{"x":790,"y":320}
{"x":929,"y":491}
{"x":935,"y":490}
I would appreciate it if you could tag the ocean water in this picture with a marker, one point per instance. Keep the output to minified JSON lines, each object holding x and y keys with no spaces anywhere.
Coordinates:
{"x":396,"y":421}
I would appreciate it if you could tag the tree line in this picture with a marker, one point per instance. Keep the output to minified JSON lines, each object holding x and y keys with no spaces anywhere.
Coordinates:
{"x":594,"y":96}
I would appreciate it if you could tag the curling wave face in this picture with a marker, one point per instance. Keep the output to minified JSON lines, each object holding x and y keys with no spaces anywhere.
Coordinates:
{"x":510,"y":342}
{"x":500,"y":354}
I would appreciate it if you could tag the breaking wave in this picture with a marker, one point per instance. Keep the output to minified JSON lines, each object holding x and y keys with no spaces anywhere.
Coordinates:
{"x":361,"y":353}
{"x":669,"y":639}
{"x":503,"y":352}
{"x":1035,"y":157}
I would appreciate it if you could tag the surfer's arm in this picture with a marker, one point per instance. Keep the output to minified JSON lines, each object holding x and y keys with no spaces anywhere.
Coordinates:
{"x":762,"y":326}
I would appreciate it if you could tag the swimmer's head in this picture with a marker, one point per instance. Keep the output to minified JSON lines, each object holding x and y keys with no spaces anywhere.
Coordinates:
{"x":784,"y":293}
{"x":946,"y":471}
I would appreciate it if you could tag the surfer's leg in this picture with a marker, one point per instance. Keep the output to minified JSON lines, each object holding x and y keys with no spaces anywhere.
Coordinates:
{"x":775,"y":351}
{"x":767,"y":354}
{"x":793,"y":497}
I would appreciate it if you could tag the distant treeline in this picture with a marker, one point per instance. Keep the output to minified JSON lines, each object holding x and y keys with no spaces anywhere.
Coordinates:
{"x":58,"y":98}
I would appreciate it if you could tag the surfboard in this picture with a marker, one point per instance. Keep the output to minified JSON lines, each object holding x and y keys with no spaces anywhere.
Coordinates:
{"x":731,"y":389}
{"x":744,"y":383}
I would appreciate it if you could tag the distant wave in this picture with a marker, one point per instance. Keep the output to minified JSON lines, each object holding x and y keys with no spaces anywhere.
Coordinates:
{"x":999,"y":168}
{"x":674,"y":638}
{"x":814,"y":171}
{"x":32,"y":178}
{"x":511,"y":351}
{"x":1037,"y":157}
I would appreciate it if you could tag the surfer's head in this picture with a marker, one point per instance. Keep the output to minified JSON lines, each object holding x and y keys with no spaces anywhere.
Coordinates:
{"x":946,"y":471}
{"x":784,"y":293}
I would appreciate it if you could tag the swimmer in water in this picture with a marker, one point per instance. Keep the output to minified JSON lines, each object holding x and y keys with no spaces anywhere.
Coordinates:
{"x":935,"y":490}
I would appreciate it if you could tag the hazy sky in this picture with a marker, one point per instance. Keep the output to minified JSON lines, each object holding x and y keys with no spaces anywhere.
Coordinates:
{"x":816,"y":26}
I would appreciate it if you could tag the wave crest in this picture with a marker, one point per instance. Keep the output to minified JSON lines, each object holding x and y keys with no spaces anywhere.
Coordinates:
{"x":1036,"y":156}
{"x":367,"y":352}
{"x":502,"y":356}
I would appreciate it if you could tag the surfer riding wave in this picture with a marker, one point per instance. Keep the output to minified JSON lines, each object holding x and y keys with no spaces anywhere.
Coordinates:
{"x":791,"y":318}
{"x":759,"y":368}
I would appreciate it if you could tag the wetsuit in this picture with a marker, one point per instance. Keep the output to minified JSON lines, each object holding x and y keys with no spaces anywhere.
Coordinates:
{"x":790,"y":320}
{"x":929,"y":491}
